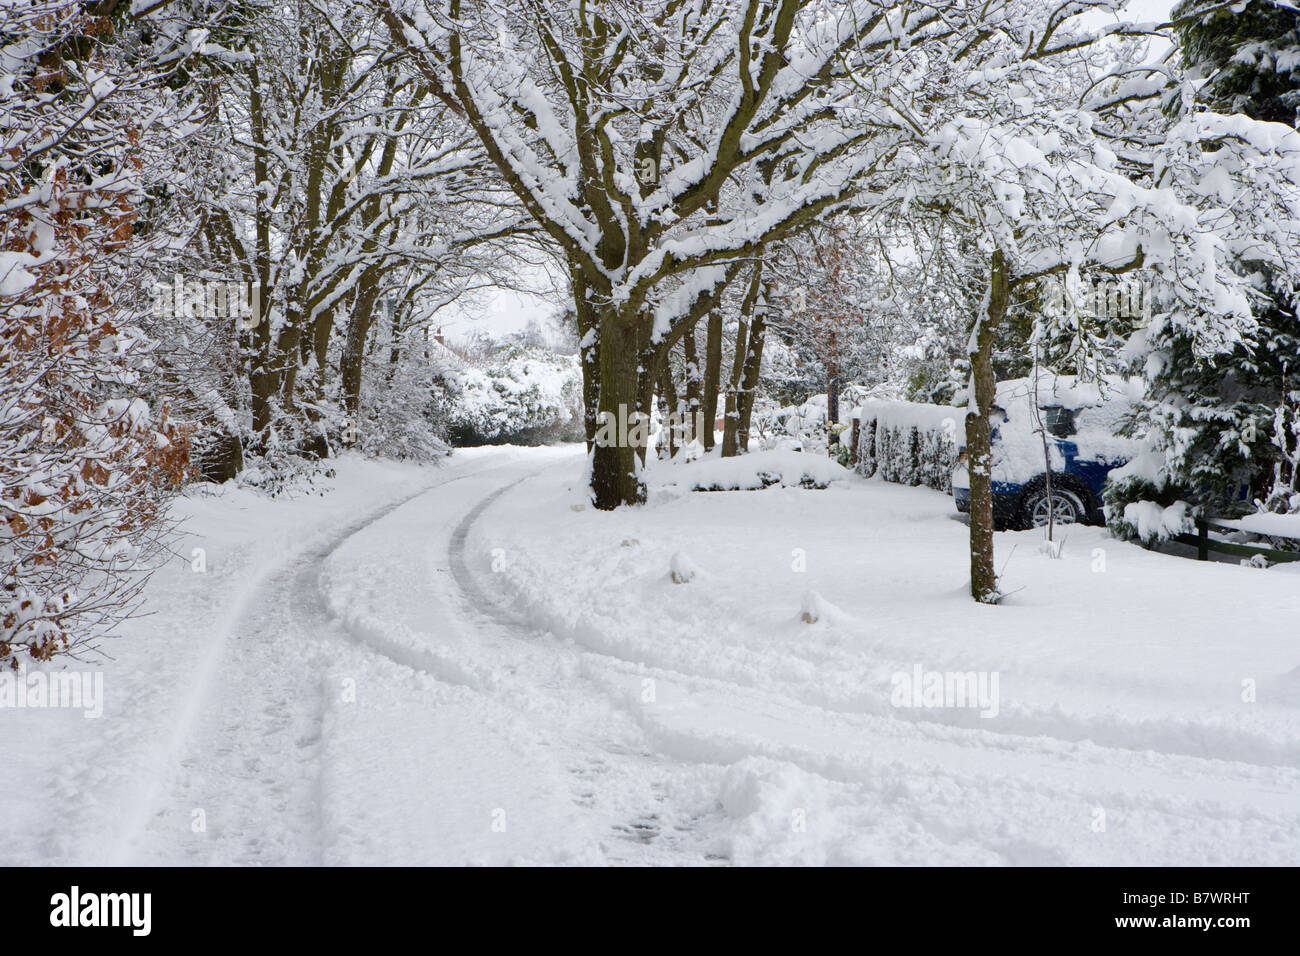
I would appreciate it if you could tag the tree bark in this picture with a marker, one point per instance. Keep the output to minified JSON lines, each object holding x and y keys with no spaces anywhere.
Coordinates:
{"x":354,"y":346}
{"x":731,"y":410}
{"x":589,"y":353}
{"x":693,"y":379}
{"x":616,"y":455}
{"x":648,"y":364}
{"x":753,"y":366}
{"x":731,"y":421}
{"x":712,"y":378}
{"x":668,"y":409}
{"x":983,"y":576}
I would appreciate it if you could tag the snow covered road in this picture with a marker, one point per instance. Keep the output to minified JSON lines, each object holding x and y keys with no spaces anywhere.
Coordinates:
{"x":465,"y":664}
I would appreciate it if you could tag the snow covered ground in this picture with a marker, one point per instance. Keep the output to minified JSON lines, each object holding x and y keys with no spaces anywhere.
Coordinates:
{"x":467,"y":664}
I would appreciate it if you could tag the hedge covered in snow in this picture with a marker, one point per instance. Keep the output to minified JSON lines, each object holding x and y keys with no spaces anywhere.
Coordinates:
{"x":909,"y":443}
{"x":523,"y":395}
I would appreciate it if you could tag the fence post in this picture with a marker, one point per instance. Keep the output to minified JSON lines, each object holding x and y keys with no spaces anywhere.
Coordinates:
{"x":857,"y":432}
{"x":1202,"y":540}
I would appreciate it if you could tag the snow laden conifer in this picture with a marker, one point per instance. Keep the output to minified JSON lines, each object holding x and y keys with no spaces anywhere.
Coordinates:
{"x":1221,"y":424}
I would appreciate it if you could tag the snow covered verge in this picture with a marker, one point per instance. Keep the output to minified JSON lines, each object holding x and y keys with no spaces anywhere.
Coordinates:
{"x":1133,"y":708}
{"x":129,"y":785}
{"x":467,"y":664}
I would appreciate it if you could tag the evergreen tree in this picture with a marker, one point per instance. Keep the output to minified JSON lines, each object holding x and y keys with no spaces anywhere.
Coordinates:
{"x":1227,"y":423}
{"x":1247,"y":54}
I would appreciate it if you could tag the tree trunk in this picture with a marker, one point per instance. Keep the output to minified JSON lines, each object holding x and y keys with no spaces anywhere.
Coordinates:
{"x":320,"y":336}
{"x":589,"y":352}
{"x":731,"y":446}
{"x":616,"y":455}
{"x":731,"y":410}
{"x":712,"y":378}
{"x":668,"y":409}
{"x":261,"y":381}
{"x":396,"y":343}
{"x":694,"y":407}
{"x":832,"y":396}
{"x":753,"y":366}
{"x":354,"y":346}
{"x":287,"y":353}
{"x":261,"y":375}
{"x":983,"y":576}
{"x":647,"y":375}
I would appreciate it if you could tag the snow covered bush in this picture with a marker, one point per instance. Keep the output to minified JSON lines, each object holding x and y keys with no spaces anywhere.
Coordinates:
{"x":1219,"y":424}
{"x":403,"y":414}
{"x":524,"y":395}
{"x":803,"y":425}
{"x":909,"y":443}
{"x":87,"y":467}
{"x":807,"y":425}
{"x":1216,"y":421}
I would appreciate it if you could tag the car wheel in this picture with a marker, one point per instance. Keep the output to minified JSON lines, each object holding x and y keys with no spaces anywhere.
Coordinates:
{"x":1065,"y":508}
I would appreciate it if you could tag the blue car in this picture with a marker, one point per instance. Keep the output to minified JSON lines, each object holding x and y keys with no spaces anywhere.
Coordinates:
{"x":1079,"y":421}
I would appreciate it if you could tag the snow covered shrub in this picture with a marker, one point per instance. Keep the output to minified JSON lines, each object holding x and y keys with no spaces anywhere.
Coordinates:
{"x":868,"y":464}
{"x":780,"y":467}
{"x":1140,"y":509}
{"x":841,"y":452}
{"x":909,"y":443}
{"x":87,"y":467}
{"x":804,"y":424}
{"x":524,"y":395}
{"x":403,"y":414}
{"x":285,"y":476}
{"x":1284,"y":495}
{"x":808,"y":423}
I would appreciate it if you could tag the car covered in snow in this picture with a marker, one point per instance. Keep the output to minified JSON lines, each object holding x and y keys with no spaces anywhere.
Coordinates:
{"x":1075,"y":429}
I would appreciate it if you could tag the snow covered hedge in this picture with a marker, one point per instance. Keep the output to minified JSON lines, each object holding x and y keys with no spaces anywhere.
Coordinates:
{"x":524,"y":395}
{"x":909,"y":443}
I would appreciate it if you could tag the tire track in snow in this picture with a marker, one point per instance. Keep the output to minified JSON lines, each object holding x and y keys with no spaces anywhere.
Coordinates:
{"x":251,"y":658}
{"x":518,"y":665}
{"x":1038,"y":767}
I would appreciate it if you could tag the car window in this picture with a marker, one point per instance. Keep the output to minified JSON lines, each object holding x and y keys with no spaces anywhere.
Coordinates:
{"x":1059,"y":421}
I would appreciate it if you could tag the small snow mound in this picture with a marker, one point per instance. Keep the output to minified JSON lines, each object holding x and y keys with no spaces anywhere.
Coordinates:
{"x":682,"y":569}
{"x":1052,"y":548}
{"x":761,"y":786}
{"x":816,"y":608}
